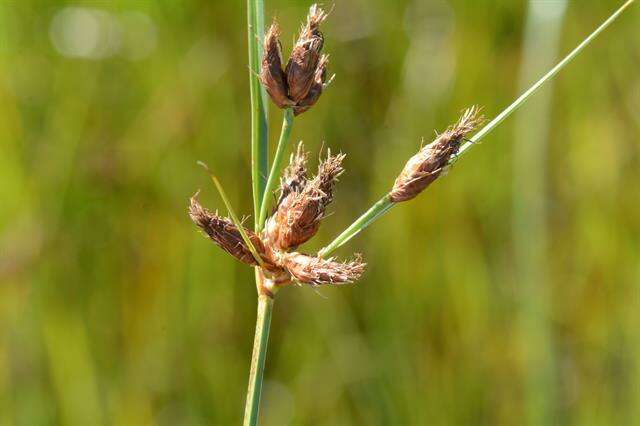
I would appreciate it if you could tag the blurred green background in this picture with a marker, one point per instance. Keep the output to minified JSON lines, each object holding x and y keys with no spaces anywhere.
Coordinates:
{"x":509,"y":293}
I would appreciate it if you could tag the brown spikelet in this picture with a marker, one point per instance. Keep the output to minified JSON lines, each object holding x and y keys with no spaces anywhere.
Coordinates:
{"x":312,"y":27}
{"x":317,"y":86}
{"x":298,"y":216}
{"x":294,"y":177}
{"x":318,"y":271}
{"x":305,"y":56}
{"x":226,"y":235}
{"x":271,"y":75}
{"x":328,"y":172}
{"x":429,"y":163}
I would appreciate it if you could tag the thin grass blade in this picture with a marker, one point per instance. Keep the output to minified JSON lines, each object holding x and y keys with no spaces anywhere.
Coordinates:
{"x":234,"y":217}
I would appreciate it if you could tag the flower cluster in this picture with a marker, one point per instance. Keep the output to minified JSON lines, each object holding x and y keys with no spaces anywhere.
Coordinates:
{"x":302,"y":200}
{"x":301,"y":82}
{"x":301,"y":206}
{"x":433,"y":159}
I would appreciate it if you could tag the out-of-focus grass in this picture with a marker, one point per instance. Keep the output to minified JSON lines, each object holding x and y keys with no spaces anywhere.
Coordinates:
{"x":113,"y":309}
{"x":531,"y":210}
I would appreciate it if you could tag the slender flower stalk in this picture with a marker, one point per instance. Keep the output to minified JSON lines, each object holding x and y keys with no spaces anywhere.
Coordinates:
{"x":382,"y":206}
{"x":287,"y":123}
{"x":385,"y":203}
{"x":259,"y":169}
{"x":259,"y":130}
{"x":263,"y":322}
{"x":536,"y":86}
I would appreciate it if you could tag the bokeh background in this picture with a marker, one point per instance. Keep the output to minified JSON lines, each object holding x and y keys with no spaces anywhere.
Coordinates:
{"x":507,"y":294}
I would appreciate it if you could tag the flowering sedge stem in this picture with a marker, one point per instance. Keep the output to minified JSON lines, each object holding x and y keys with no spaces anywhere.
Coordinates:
{"x":259,"y":170}
{"x":259,"y":140}
{"x":287,"y":123}
{"x":385,"y":204}
{"x":378,"y":209}
{"x":263,"y":322}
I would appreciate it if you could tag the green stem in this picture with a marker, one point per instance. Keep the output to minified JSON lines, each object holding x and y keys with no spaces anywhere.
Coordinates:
{"x":263,"y":321}
{"x":533,"y":89}
{"x":259,"y":140}
{"x":259,"y":170}
{"x":287,"y":123}
{"x":259,"y":26}
{"x":385,"y":204}
{"x":378,"y":209}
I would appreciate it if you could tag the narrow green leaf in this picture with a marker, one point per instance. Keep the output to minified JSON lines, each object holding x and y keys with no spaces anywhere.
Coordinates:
{"x":234,"y":217}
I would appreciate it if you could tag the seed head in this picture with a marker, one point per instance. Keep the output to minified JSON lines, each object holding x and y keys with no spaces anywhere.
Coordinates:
{"x":299,"y":213}
{"x":429,"y":163}
{"x":312,"y":27}
{"x":294,"y":177}
{"x":305,"y":56}
{"x":317,"y":86}
{"x":271,"y":75}
{"x":226,"y":235}
{"x":303,"y":79}
{"x":318,"y":271}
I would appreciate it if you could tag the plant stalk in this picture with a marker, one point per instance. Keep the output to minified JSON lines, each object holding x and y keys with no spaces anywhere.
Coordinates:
{"x":259,"y":170}
{"x":263,"y":321}
{"x":533,"y":89}
{"x":259,"y":130}
{"x":287,"y":124}
{"x":378,"y":209}
{"x":385,"y":204}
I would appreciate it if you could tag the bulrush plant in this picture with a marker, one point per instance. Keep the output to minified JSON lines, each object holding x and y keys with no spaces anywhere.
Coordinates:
{"x":273,"y":246}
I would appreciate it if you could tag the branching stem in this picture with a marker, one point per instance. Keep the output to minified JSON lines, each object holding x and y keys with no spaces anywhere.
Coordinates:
{"x":385,"y":204}
{"x":263,"y":322}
